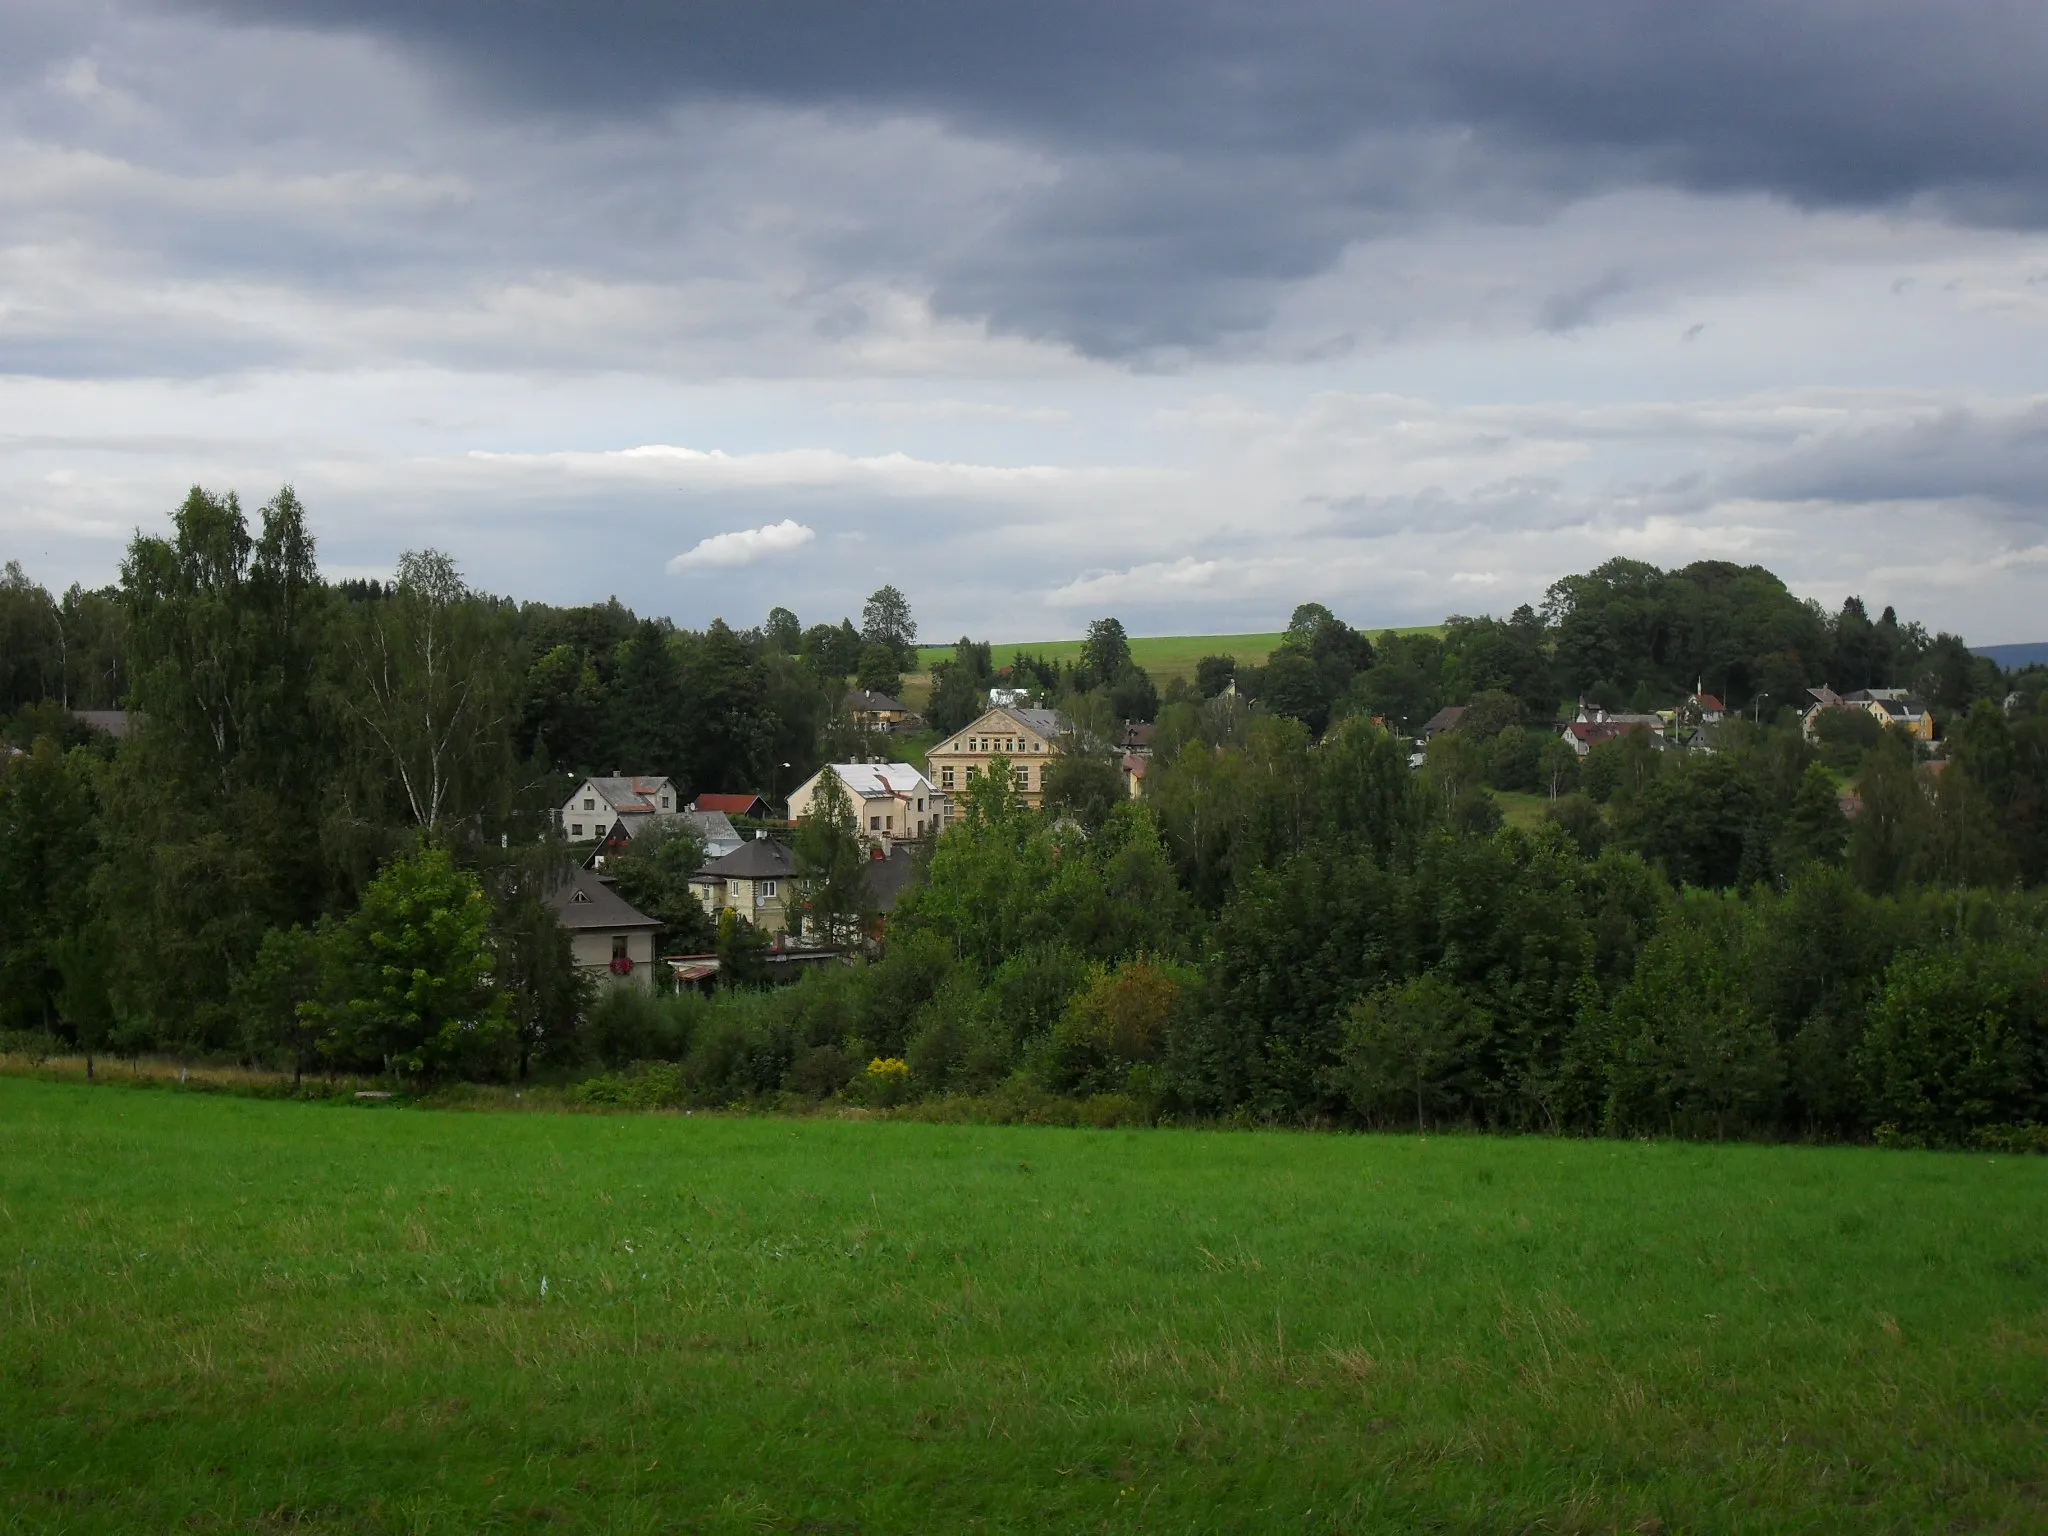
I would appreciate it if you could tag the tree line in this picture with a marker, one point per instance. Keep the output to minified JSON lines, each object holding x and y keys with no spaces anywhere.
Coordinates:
{"x":327,"y":843}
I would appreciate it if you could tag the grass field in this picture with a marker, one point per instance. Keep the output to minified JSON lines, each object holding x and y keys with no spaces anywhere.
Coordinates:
{"x":1164,"y":656}
{"x":224,"y":1314}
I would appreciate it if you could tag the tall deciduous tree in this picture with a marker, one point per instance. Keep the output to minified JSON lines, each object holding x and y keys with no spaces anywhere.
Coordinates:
{"x":427,"y":691}
{"x":885,"y":619}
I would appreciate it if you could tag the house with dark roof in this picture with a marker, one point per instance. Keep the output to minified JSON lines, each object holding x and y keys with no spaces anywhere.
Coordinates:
{"x":753,"y":881}
{"x":608,"y":936}
{"x":714,"y":829}
{"x":878,"y":712}
{"x":1443,"y":721}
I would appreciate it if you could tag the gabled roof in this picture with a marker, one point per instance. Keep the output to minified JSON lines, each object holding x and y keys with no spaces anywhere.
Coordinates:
{"x":884,"y":881}
{"x":761,"y":859}
{"x":1445,"y":719}
{"x":1709,"y":703}
{"x":878,"y":703}
{"x":634,"y":795}
{"x":878,"y":781}
{"x":741,"y":804}
{"x":584,"y":901}
{"x":1049,"y":723}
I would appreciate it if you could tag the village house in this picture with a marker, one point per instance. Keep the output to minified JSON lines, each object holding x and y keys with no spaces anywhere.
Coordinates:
{"x":714,"y":829}
{"x":1026,"y":738}
{"x":600,"y":803}
{"x":1134,"y":768}
{"x":1894,"y":708}
{"x":745,"y":803}
{"x":878,"y":712}
{"x":607,"y":936}
{"x":892,"y":802}
{"x":753,"y":881}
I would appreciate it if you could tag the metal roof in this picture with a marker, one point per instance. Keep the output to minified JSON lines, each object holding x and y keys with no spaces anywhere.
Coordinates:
{"x":584,"y":901}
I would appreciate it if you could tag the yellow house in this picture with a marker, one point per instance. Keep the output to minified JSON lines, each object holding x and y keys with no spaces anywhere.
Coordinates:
{"x":1026,"y":738}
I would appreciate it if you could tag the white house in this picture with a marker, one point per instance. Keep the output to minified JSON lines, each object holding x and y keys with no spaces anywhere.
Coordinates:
{"x":600,"y":804}
{"x":892,"y":802}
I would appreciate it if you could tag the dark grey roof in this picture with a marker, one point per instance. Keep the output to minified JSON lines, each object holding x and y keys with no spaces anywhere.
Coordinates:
{"x":584,"y":901}
{"x":1049,"y":723}
{"x":862,"y":699}
{"x":1445,"y":719}
{"x":885,"y":880}
{"x":761,"y":859}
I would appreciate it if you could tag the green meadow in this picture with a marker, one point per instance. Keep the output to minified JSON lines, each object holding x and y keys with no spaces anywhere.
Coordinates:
{"x":1165,"y":657}
{"x":228,"y":1314}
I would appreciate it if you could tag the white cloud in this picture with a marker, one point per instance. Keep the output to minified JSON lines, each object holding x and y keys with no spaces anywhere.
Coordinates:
{"x":744,"y":546}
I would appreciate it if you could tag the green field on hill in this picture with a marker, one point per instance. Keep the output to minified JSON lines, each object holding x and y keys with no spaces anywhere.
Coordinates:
{"x":1164,"y":656}
{"x":225,"y":1314}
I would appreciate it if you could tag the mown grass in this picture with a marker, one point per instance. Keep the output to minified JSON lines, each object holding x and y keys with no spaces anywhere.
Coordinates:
{"x":227,"y":1314}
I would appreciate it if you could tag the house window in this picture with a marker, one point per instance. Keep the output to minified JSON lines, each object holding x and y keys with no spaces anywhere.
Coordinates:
{"x":920,"y":802}
{"x":946,"y":777}
{"x":767,"y":890}
{"x":590,"y":805}
{"x":664,"y":802}
{"x":575,"y":829}
{"x":1023,"y":778}
{"x":973,"y":773}
{"x":874,"y":823}
{"x":618,"y":946}
{"x":889,"y":822}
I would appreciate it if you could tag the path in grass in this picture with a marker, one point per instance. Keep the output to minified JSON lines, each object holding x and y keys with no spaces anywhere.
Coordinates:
{"x":224,"y":1314}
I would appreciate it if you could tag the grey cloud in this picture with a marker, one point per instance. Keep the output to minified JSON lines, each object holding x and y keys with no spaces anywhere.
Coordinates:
{"x":1956,"y":454}
{"x":1207,"y":153}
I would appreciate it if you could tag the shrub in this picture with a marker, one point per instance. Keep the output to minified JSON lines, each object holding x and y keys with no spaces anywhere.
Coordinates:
{"x":1118,"y":1021}
{"x":1413,"y":1045}
{"x":1958,"y":1042}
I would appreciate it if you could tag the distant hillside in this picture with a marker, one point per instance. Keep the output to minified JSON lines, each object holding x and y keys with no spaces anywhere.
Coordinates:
{"x":1164,"y":656}
{"x":2032,"y":653}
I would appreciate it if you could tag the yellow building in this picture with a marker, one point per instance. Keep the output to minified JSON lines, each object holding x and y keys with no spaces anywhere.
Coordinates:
{"x":1026,"y":738}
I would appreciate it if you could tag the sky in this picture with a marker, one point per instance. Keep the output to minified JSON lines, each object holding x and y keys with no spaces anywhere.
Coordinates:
{"x":1182,"y":312}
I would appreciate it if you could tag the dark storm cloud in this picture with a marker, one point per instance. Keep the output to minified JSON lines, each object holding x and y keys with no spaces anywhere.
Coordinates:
{"x":1207,"y":155}
{"x":1959,"y":454}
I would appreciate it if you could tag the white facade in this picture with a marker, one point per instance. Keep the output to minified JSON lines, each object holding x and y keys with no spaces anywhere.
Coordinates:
{"x":599,"y":803}
{"x":892,"y":802}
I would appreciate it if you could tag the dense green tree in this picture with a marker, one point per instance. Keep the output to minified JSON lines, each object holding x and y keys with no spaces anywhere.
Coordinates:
{"x":1959,"y":1042}
{"x":48,"y":850}
{"x":1213,"y":674}
{"x":881,"y":668}
{"x":1084,"y":784}
{"x":417,"y":960}
{"x":957,"y":699}
{"x":1412,"y":1044}
{"x":650,"y":706}
{"x":831,"y":869}
{"x":1105,"y":654}
{"x":783,"y":633}
{"x":886,"y":620}
{"x":653,"y":873}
